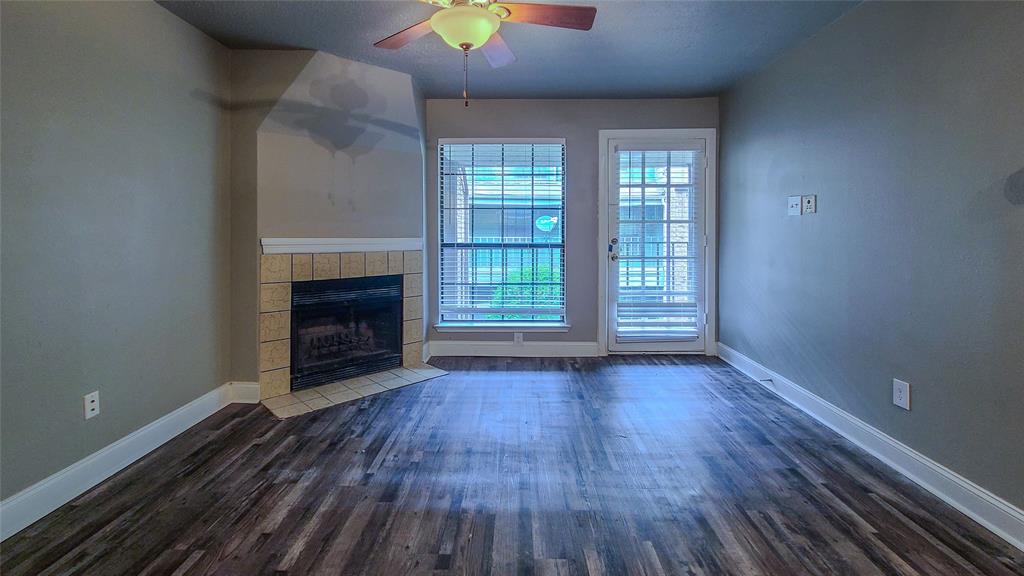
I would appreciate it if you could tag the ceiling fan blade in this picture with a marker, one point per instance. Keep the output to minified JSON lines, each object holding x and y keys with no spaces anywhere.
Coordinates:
{"x":414,"y":32}
{"x":497,"y":52}
{"x":575,"y":17}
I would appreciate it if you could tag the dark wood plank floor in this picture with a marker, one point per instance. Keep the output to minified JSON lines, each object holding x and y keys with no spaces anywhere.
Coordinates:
{"x":625,"y":465}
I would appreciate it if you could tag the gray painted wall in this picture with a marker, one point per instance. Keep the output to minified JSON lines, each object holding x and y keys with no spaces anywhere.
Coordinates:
{"x":578,"y":121}
{"x":907,"y":121}
{"x":115,"y":225}
{"x":258,"y":79}
{"x":341,"y":155}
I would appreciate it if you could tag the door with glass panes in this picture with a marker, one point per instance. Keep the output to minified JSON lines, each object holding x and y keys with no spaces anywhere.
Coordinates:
{"x":656,"y":245}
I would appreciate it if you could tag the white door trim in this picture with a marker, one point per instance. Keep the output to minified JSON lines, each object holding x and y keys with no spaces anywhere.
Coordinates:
{"x":710,"y":136}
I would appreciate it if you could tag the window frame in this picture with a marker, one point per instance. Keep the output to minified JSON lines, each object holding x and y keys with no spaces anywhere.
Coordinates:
{"x":499,"y":325}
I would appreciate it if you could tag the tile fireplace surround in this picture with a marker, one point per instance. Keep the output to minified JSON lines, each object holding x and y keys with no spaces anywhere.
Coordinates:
{"x":279,"y":271}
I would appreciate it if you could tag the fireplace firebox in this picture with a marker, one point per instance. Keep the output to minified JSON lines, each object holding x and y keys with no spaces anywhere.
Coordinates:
{"x":345,"y":328}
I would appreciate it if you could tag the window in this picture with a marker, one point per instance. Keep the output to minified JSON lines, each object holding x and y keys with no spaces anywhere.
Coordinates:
{"x":502,"y":232}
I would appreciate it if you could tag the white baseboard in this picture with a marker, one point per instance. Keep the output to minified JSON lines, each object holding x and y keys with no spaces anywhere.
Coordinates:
{"x":987,"y":509}
{"x":528,"y":349}
{"x":22,"y":509}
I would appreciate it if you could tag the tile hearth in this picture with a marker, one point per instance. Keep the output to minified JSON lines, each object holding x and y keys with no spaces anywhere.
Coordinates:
{"x":309,"y":399}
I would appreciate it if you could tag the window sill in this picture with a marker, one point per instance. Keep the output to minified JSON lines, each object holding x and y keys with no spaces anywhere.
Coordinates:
{"x":501,"y":327}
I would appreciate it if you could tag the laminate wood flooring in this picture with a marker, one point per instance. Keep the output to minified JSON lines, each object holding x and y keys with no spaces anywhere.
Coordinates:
{"x":650,"y":465}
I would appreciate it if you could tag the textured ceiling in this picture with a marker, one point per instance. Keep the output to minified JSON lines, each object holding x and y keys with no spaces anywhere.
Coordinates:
{"x":637,"y":48}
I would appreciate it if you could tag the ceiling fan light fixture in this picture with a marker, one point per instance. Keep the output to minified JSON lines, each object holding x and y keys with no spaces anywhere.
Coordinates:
{"x":461,"y":26}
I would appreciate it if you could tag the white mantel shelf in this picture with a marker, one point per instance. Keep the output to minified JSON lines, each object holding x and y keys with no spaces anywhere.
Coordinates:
{"x":329,"y":245}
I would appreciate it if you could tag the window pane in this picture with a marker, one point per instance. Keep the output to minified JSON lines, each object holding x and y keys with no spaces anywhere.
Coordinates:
{"x":502,"y":232}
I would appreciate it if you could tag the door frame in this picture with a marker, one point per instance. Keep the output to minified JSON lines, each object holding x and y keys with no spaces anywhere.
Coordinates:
{"x":710,"y":137}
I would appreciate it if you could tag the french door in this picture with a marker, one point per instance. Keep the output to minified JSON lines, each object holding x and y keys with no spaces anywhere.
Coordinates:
{"x":657,"y":244}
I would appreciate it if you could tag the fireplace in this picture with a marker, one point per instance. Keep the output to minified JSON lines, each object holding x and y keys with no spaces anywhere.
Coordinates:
{"x":345,"y":328}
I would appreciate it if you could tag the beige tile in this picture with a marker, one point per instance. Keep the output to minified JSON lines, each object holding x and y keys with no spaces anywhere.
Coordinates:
{"x":275,"y":383}
{"x":412,"y":308}
{"x":395,"y":265}
{"x":275,"y":297}
{"x":290,"y":410}
{"x":326,"y":266}
{"x":370,"y":389}
{"x":412,"y":331}
{"x":413,"y":262}
{"x":376,"y":263}
{"x":412,"y":355}
{"x":379,"y":377}
{"x":281,"y":401}
{"x":356,"y":382}
{"x":333,"y":388}
{"x":318,"y":403}
{"x":275,"y":325}
{"x":429,"y":371}
{"x":406,"y":374}
{"x":307,"y":394}
{"x":302,"y":267}
{"x":344,"y":396}
{"x":414,"y":378}
{"x":276,"y":354}
{"x":394,"y":383}
{"x":275,"y":268}
{"x":353,"y":264}
{"x":412,"y":285}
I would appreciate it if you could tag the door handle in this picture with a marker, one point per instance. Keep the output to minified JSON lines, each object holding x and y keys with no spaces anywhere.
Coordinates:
{"x":614,"y":257}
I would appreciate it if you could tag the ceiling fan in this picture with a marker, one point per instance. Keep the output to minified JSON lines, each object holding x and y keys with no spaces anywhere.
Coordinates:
{"x":470,"y":24}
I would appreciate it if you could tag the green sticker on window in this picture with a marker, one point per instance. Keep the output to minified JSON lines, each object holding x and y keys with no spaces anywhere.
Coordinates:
{"x":546,"y":223}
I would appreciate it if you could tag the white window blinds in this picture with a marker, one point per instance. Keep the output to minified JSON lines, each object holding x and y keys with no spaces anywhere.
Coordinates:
{"x":502,"y":232}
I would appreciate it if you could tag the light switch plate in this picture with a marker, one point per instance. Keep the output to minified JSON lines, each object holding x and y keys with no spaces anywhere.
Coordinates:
{"x":795,"y":205}
{"x":901,"y":393}
{"x":810,"y":205}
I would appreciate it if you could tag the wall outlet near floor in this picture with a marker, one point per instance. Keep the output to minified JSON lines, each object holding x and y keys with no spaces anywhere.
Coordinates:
{"x":810,"y":205}
{"x":901,"y":393}
{"x":517,"y":338}
{"x":794,"y":205}
{"x":92,"y":404}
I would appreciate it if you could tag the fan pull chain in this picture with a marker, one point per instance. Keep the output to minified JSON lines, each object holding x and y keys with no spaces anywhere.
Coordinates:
{"x":465,"y":74}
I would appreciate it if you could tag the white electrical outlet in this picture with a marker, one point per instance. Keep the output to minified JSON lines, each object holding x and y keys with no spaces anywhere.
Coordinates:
{"x":517,"y":338}
{"x":810,"y":204}
{"x":92,"y":404}
{"x":901,"y":393}
{"x":794,"y":205}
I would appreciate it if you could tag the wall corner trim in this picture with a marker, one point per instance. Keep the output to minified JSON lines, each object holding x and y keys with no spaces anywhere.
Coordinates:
{"x":528,"y":349}
{"x":994,"y":513}
{"x":22,"y":509}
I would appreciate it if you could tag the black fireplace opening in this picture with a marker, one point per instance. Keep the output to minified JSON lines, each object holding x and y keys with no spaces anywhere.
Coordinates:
{"x":345,"y":328}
